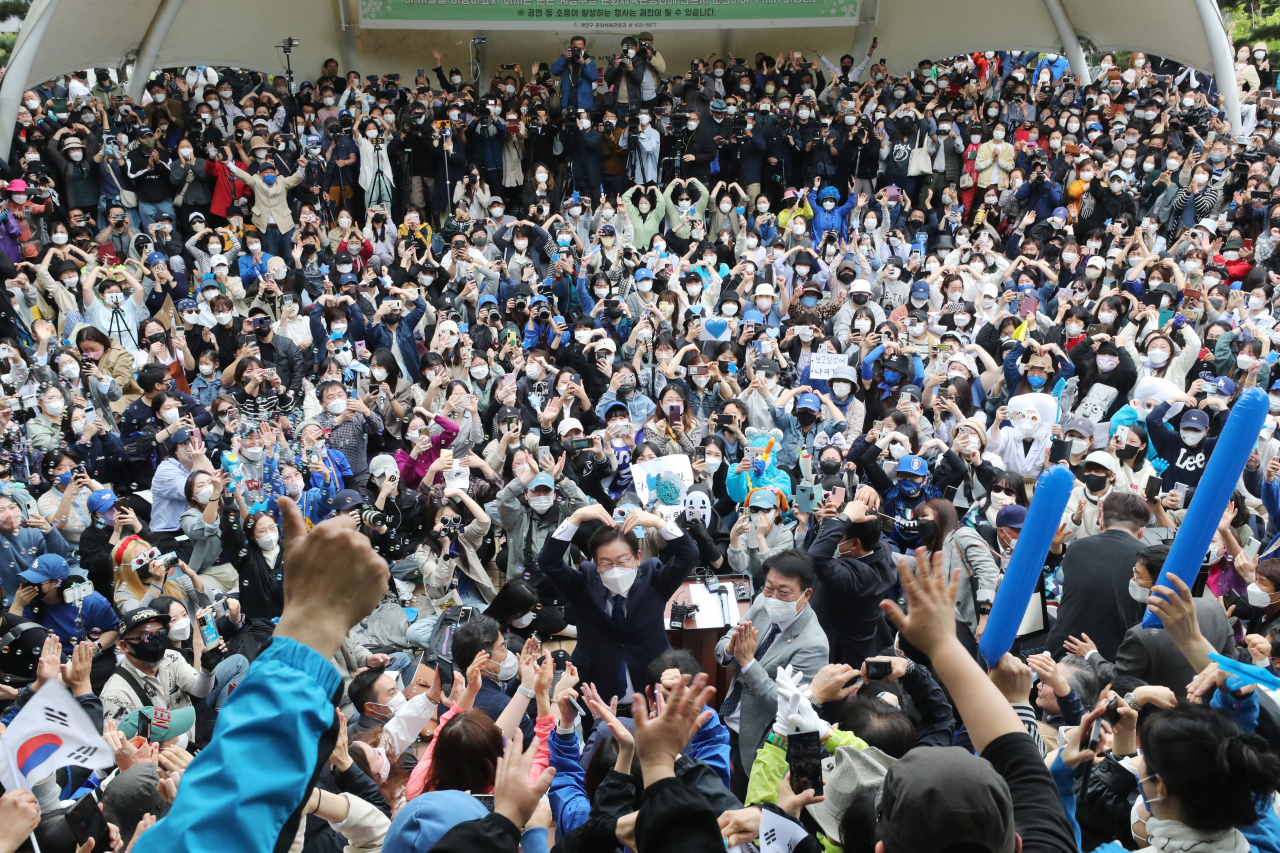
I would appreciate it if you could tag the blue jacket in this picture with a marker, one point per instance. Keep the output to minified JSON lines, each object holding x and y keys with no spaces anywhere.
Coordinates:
{"x":486,"y":148}
{"x":837,"y":220}
{"x":793,"y":438}
{"x":1043,"y":200}
{"x":570,"y":804}
{"x":251,"y":273}
{"x":378,"y":336}
{"x":20,"y":551}
{"x":355,"y":330}
{"x":565,"y":70}
{"x":287,"y":749}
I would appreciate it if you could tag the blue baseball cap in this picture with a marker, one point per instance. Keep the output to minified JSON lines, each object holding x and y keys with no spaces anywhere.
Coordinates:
{"x":344,"y":114}
{"x":913,"y":465}
{"x":751,"y":315}
{"x":1061,"y":213}
{"x":920,"y":290}
{"x":488,"y":299}
{"x":47,"y":567}
{"x":1224,"y":385}
{"x":643,"y":274}
{"x":157,"y":258}
{"x":809,"y":401}
{"x":348,"y":278}
{"x":764,"y":499}
{"x":1011,"y":516}
{"x":101,"y":500}
{"x":543,"y":479}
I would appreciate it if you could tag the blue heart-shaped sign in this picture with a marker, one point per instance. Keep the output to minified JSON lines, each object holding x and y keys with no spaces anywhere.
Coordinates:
{"x":716,"y":327}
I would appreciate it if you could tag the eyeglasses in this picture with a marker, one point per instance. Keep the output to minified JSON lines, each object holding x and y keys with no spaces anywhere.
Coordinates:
{"x":609,"y":565}
{"x":781,"y":596}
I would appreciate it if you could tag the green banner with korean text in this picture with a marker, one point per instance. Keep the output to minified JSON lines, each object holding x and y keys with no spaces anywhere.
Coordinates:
{"x":604,"y":14}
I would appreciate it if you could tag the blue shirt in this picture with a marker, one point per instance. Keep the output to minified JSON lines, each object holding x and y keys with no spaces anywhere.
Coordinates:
{"x":168,"y":499}
{"x":76,"y":625}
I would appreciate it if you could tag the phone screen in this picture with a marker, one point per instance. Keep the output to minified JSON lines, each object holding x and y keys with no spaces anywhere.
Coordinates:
{"x":1059,"y":451}
{"x":804,"y":757}
{"x":86,"y":821}
{"x":144,"y":727}
{"x":208,"y":630}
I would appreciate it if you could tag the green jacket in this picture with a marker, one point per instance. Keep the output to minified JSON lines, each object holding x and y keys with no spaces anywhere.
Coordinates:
{"x":770,"y":769}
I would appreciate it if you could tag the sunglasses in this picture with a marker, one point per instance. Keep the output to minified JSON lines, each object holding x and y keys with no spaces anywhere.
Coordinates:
{"x":1003,"y":490}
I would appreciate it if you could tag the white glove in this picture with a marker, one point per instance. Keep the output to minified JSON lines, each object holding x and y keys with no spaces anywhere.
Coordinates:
{"x":806,"y":719}
{"x":789,"y":699}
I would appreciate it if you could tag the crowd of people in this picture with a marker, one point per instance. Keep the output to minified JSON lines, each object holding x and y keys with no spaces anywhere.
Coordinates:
{"x":425,"y":404}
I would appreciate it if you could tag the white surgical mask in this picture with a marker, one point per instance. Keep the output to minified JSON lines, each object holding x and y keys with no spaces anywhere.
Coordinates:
{"x":336,"y":407}
{"x":180,"y":629}
{"x":541,"y":503}
{"x":268,"y":542}
{"x":780,"y":611}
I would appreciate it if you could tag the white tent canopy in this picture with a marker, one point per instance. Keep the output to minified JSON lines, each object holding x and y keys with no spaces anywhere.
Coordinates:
{"x":59,"y":36}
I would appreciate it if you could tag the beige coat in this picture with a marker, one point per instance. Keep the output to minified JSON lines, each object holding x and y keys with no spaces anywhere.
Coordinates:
{"x":271,"y":202}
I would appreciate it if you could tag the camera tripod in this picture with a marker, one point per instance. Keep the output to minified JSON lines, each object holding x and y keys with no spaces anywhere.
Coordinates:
{"x":380,"y":190}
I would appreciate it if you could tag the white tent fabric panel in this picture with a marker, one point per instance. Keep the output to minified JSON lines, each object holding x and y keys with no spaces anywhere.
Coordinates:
{"x":98,"y":33}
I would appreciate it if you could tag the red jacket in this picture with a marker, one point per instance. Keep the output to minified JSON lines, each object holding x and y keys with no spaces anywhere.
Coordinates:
{"x":1236,"y":270}
{"x":227,"y":188}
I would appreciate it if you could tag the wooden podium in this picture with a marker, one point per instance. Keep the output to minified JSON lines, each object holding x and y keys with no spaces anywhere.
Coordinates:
{"x":701,"y":642}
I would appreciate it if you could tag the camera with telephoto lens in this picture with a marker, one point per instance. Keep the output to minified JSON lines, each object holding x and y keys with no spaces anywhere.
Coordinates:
{"x":373,"y":518}
{"x":544,"y":313}
{"x":576,"y":53}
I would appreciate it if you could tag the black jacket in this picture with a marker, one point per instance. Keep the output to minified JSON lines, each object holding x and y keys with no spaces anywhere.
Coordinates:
{"x":1095,"y":592}
{"x":848,"y":593}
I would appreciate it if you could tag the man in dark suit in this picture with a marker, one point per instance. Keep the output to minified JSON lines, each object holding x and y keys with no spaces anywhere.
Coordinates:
{"x":484,"y":634}
{"x":856,"y":572}
{"x":1095,"y":577}
{"x":619,"y":602}
{"x":1148,"y":653}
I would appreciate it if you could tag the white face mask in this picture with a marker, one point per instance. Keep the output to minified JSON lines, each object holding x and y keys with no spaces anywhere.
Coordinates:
{"x":336,"y":407}
{"x":253,"y":454}
{"x":618,"y":580}
{"x":180,"y":629}
{"x":1258,"y":598}
{"x":781,"y":611}
{"x":509,"y":668}
{"x":268,"y":542}
{"x":542,"y":503}
{"x":523,"y":622}
{"x":862,"y":326}
{"x":205,"y":494}
{"x":222,"y":318}
{"x":55,"y":408}
{"x":206,"y":369}
{"x":1138,"y":593}
{"x":1158,"y":357}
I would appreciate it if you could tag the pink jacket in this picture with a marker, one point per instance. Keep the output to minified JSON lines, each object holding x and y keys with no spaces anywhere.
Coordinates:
{"x":542,"y":730}
{"x":413,"y":470}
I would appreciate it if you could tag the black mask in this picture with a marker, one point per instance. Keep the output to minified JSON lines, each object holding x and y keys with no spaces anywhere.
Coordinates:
{"x":393,"y":318}
{"x":1127,"y":452}
{"x":829,"y":466}
{"x":1094,"y":482}
{"x":806,"y":417}
{"x":262,"y":333}
{"x":149,"y":648}
{"x":860,"y":298}
{"x":928,"y":529}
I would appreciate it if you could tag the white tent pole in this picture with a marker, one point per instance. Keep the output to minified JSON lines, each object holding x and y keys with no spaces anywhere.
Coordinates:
{"x":150,"y":49}
{"x":1224,"y":68}
{"x":1070,"y":42}
{"x":15,"y":78}
{"x":350,"y":61}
